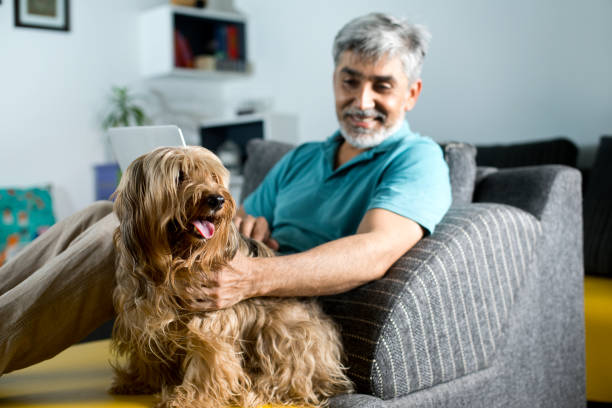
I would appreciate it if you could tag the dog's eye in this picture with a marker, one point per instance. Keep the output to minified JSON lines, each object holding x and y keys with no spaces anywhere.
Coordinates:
{"x":181,"y":177}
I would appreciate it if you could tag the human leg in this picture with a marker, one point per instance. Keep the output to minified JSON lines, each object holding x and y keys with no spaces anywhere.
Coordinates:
{"x":58,"y":289}
{"x":53,"y":242}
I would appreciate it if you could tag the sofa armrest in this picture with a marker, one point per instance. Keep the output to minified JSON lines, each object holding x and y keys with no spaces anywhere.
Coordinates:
{"x":532,"y":188}
{"x":439,"y":312}
{"x":553,"y":195}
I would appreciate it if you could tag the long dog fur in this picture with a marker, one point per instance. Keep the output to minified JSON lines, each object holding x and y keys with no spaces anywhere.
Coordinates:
{"x":259,"y":351}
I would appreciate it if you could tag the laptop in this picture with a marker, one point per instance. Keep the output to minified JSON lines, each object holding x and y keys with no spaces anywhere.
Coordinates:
{"x":128,"y":143}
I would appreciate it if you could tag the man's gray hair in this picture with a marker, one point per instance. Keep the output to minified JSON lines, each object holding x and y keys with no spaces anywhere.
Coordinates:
{"x":375,"y":35}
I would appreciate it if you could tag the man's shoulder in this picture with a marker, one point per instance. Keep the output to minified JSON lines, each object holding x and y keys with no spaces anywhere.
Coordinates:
{"x":421,"y":147}
{"x":301,"y":157}
{"x":312,"y":145}
{"x":307,"y":150}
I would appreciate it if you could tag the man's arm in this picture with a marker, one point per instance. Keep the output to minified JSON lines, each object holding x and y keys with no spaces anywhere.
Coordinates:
{"x":333,"y":267}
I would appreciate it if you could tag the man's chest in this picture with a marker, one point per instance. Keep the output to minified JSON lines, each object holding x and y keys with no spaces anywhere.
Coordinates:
{"x":327,"y":201}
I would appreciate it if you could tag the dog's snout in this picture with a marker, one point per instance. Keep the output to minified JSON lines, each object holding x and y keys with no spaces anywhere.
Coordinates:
{"x":215,"y":201}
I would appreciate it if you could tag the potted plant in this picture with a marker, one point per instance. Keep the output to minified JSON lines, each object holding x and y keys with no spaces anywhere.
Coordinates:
{"x":124,"y":110}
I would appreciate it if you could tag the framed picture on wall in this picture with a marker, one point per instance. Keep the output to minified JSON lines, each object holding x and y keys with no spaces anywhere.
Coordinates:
{"x":47,"y":14}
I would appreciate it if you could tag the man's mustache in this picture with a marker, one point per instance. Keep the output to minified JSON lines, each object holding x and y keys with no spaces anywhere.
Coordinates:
{"x":367,"y":113}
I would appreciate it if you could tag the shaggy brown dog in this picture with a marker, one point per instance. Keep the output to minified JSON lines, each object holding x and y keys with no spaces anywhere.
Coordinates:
{"x":175,"y":215}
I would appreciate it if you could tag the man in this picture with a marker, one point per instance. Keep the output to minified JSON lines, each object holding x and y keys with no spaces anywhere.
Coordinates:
{"x":349,"y":207}
{"x":343,"y":210}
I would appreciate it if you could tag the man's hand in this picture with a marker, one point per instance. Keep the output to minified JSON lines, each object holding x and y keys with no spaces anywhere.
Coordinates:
{"x":333,"y":267}
{"x":225,"y":288}
{"x":255,"y":228}
{"x":233,"y":282}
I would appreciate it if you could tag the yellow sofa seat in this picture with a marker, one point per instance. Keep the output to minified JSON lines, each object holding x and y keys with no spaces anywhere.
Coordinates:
{"x":77,"y":377}
{"x":598,"y":332}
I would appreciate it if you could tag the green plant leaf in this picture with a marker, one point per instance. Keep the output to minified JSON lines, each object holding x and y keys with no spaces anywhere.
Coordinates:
{"x":139,"y":116}
{"x":124,"y":110}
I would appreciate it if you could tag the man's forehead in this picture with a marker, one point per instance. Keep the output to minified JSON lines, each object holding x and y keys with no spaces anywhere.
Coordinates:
{"x":355,"y":64}
{"x":360,"y":74}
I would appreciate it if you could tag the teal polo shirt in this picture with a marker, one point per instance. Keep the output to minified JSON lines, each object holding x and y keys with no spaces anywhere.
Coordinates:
{"x":307,"y":203}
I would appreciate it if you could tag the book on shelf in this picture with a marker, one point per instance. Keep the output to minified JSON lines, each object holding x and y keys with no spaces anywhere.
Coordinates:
{"x":232,"y":42}
{"x":183,"y":56}
{"x":221,"y":41}
{"x":229,"y":50}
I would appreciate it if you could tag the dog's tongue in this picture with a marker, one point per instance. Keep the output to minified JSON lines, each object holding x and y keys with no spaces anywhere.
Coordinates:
{"x":205,"y":228}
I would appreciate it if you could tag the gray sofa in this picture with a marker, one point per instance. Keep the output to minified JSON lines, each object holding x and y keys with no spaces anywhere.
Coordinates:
{"x":485,"y":312}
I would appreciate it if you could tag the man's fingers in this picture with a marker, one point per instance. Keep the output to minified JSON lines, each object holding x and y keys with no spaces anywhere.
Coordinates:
{"x":272,"y":243}
{"x":261,"y":232}
{"x":210,"y":303}
{"x":256,"y":228}
{"x":201,"y":305}
{"x":203,"y":300}
{"x":237,"y":221}
{"x":247,"y":225}
{"x":223,"y":288}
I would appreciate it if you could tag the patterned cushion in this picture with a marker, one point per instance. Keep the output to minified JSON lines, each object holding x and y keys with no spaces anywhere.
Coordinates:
{"x":26,"y":213}
{"x":263,"y":154}
{"x":598,"y":213}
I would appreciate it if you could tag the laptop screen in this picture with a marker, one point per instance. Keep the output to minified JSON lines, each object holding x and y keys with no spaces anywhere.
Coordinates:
{"x":128,"y":143}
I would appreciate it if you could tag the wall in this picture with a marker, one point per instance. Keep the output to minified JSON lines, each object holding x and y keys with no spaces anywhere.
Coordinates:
{"x":53,"y":89}
{"x":497,"y":72}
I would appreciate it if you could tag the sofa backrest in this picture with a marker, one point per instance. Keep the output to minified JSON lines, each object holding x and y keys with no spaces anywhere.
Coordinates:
{"x":598,"y":213}
{"x":460,"y":157}
{"x":559,"y":150}
{"x":262,"y":155}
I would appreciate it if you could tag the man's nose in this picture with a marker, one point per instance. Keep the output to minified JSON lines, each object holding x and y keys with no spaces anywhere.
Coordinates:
{"x":364,"y":98}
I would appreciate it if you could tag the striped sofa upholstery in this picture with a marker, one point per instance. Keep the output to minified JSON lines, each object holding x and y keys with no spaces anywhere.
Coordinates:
{"x":485,"y":312}
{"x":439,"y":312}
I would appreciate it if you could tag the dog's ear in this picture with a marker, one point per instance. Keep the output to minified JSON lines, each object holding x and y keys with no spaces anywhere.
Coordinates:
{"x":143,"y":208}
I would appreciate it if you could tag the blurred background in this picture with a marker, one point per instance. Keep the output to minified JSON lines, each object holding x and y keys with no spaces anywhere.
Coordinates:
{"x":497,"y":72}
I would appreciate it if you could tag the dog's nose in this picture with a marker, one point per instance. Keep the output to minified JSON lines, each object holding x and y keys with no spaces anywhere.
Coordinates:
{"x":215,"y":202}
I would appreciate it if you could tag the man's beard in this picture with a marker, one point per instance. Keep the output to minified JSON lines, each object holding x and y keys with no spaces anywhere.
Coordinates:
{"x":361,"y":138}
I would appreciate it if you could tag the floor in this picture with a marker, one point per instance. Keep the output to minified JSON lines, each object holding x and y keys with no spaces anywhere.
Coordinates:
{"x":79,"y":377}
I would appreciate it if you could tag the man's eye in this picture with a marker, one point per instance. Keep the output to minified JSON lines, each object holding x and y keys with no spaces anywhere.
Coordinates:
{"x":350,"y":82}
{"x":383,"y":87}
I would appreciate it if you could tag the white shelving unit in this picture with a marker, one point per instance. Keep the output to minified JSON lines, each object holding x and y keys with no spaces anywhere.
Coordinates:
{"x":202,"y":30}
{"x":280,"y":127}
{"x":240,"y":129}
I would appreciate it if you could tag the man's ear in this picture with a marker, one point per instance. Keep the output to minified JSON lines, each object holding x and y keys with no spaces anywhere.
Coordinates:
{"x":413,"y":94}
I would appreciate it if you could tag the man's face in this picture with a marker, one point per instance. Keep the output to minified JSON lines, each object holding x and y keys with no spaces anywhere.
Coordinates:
{"x":372,"y":98}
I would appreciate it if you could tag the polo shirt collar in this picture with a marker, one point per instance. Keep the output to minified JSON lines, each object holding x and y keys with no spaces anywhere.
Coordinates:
{"x":333,"y":142}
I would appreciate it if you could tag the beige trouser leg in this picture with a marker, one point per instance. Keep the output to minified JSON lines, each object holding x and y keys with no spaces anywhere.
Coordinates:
{"x":58,"y":289}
